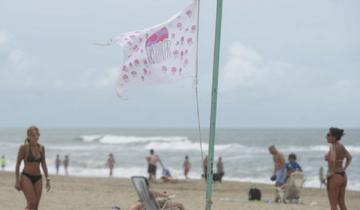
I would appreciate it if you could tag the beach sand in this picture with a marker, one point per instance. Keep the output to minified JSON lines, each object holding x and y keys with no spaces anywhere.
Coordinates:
{"x":79,"y":193}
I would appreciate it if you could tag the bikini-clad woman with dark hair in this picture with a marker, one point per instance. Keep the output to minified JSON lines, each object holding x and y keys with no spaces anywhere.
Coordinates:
{"x":30,"y":180}
{"x":336,"y":176}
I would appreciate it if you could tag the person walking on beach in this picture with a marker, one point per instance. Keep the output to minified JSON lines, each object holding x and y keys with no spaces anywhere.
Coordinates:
{"x":3,"y":162}
{"x":205,"y":166}
{"x":186,"y":167}
{"x":336,"y":176}
{"x":152,"y":160}
{"x":30,"y":180}
{"x":110,"y":163}
{"x":66,"y":165}
{"x":279,"y":174}
{"x":57,"y":163}
{"x":220,"y":167}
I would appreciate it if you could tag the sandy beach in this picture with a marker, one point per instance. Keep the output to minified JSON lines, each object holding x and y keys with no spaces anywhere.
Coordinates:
{"x":79,"y":193}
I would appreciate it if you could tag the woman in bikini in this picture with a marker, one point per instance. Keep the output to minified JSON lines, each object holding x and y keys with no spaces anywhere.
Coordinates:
{"x":336,"y":176}
{"x":30,"y":180}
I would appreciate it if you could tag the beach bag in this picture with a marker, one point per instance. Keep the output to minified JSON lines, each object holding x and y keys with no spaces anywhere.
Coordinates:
{"x":254,"y":194}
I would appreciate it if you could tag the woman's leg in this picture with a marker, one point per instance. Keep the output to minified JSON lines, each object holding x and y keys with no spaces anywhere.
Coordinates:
{"x":342,"y":195}
{"x":29,"y":192}
{"x":38,"y":190}
{"x":334,"y":191}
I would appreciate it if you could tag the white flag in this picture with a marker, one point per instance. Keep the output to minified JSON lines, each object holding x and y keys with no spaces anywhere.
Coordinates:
{"x":163,"y":53}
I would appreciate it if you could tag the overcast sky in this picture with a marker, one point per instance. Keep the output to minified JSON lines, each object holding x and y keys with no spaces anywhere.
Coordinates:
{"x":284,"y":63}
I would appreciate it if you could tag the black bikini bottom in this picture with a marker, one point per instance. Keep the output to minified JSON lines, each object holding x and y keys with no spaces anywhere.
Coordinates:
{"x":33,"y":178}
{"x":341,"y":173}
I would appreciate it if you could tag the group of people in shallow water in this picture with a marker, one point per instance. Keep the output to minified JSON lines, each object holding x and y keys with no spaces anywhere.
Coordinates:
{"x":152,"y":160}
{"x":65,"y":163}
{"x":32,"y":153}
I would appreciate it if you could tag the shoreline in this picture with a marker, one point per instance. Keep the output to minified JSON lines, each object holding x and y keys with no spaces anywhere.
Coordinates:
{"x":84,"y":193}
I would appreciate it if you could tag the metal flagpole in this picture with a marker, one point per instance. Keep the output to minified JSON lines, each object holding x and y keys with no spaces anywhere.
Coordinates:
{"x":213,"y":105}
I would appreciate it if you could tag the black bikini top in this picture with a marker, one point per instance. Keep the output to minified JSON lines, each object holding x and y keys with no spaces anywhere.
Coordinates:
{"x":32,"y":158}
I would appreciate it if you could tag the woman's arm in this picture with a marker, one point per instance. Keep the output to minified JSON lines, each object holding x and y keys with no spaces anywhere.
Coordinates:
{"x":45,"y":170}
{"x":43,"y":163}
{"x":348,"y":158}
{"x":332,"y":161}
{"x":20,"y":157}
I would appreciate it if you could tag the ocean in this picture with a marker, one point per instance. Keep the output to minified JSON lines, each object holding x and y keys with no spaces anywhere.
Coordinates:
{"x":244,"y":151}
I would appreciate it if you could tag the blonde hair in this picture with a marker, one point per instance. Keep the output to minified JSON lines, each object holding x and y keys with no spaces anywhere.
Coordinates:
{"x":29,"y":132}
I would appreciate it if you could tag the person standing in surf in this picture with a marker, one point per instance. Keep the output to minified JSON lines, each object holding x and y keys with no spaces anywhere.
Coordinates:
{"x":152,"y":160}
{"x":66,"y":164}
{"x":186,"y":167}
{"x":336,"y":176}
{"x":111,"y":163}
{"x":57,"y":163}
{"x":30,"y":180}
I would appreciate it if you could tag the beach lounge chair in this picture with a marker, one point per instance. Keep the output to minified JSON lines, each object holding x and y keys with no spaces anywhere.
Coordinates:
{"x":142,"y":189}
{"x":294,"y":186}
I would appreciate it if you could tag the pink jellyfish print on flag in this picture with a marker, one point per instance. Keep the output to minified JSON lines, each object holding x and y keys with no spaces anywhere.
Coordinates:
{"x":176,"y":53}
{"x":186,"y":62}
{"x":158,"y":46}
{"x":134,"y":73}
{"x":193,"y":28}
{"x":125,"y":77}
{"x":189,"y":41}
{"x":179,"y":26}
{"x":125,"y":68}
{"x":137,"y":62}
{"x":189,"y":13}
{"x":162,"y":53}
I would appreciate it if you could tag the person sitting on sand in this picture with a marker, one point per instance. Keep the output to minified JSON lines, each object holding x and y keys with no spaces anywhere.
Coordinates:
{"x":167,"y":177}
{"x":279,"y":175}
{"x":161,"y":199}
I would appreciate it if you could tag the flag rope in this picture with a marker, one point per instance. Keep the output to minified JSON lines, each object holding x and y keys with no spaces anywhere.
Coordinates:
{"x":196,"y":81}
